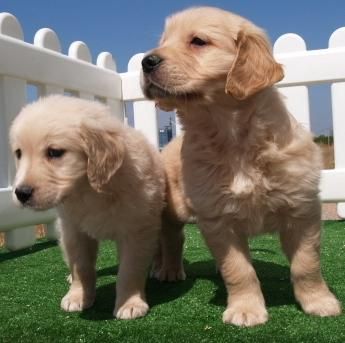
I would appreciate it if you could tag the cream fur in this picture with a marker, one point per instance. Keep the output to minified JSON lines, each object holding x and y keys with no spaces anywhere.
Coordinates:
{"x":109,"y":184}
{"x":246,"y":166}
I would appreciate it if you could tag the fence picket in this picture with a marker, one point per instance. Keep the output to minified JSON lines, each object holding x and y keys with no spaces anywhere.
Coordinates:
{"x":106,"y":61}
{"x":145,"y":112}
{"x":48,"y":39}
{"x":296,"y":98}
{"x":337,"y":40}
{"x":10,"y":26}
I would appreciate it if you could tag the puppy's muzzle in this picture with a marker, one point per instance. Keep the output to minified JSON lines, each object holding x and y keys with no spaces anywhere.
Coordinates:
{"x":150,"y":63}
{"x":24,"y":193}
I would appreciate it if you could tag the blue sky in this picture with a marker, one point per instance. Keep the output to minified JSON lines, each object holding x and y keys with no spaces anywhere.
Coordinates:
{"x":128,"y":27}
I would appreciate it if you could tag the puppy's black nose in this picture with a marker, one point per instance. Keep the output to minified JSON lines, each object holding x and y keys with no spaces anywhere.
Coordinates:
{"x":150,"y":62}
{"x":24,"y":193}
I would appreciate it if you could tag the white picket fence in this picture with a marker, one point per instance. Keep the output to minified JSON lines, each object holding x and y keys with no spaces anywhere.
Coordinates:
{"x":42,"y":64}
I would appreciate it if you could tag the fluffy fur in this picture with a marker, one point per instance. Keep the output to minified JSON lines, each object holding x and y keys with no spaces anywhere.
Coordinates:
{"x":247,"y":166}
{"x":107,"y":184}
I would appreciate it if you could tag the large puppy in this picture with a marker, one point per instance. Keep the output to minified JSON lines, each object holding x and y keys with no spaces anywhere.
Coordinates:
{"x":248,"y":167}
{"x":106,"y":181}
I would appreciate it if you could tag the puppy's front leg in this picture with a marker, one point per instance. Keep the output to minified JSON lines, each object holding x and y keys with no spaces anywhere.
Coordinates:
{"x":136,"y":252}
{"x":246,"y":304}
{"x":81,"y":254}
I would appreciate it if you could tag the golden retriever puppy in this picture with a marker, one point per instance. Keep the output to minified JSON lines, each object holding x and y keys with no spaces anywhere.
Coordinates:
{"x":106,"y":181}
{"x":248,"y":167}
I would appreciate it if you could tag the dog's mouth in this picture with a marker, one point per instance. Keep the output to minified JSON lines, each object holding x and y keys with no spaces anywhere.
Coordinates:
{"x":155,"y":91}
{"x":37,"y":207}
{"x":43,"y":204}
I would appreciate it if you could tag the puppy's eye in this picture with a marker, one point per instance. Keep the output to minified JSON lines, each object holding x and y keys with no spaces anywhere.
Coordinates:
{"x":55,"y":153}
{"x":18,"y":154}
{"x":198,"y":41}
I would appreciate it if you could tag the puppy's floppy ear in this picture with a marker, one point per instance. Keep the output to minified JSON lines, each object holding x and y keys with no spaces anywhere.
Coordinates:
{"x":254,"y":67}
{"x":105,"y":149}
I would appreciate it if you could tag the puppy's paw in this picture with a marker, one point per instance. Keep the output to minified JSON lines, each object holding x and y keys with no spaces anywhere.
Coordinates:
{"x":134,"y":308}
{"x":245,"y":314}
{"x":76,"y":300}
{"x":169,"y":274}
{"x":324,"y":306}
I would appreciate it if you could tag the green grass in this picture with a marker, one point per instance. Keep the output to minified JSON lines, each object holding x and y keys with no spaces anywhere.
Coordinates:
{"x":33,"y":281}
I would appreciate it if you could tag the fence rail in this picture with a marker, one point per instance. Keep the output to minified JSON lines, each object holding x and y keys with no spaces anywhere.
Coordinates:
{"x":43,"y":65}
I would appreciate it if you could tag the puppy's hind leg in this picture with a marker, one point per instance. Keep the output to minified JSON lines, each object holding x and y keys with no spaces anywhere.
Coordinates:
{"x":301,"y":243}
{"x":136,"y":252}
{"x":168,"y":263}
{"x":81,"y":254}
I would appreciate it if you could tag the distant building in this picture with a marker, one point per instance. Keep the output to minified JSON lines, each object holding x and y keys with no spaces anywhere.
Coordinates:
{"x":165,"y":135}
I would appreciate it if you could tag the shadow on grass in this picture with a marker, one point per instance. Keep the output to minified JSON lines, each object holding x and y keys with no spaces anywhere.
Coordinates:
{"x":8,"y":255}
{"x":157,"y":293}
{"x":274,"y":280}
{"x":108,"y":271}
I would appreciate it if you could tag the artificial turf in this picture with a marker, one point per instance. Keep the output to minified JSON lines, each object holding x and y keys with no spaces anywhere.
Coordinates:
{"x":33,"y":281}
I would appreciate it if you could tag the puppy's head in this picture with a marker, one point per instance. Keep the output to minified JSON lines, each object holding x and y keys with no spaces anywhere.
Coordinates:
{"x":205,"y":52}
{"x":62,"y":146}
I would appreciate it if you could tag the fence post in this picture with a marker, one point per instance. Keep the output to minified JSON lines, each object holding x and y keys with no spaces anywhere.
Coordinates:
{"x":80,"y":51}
{"x":337,"y":40}
{"x":12,"y":99}
{"x":48,"y":39}
{"x":51,"y":232}
{"x":106,"y":61}
{"x":297,"y":100}
{"x":145,"y":112}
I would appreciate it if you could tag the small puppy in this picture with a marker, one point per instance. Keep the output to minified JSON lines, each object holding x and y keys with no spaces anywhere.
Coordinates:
{"x":247,"y":166}
{"x":106,"y":181}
